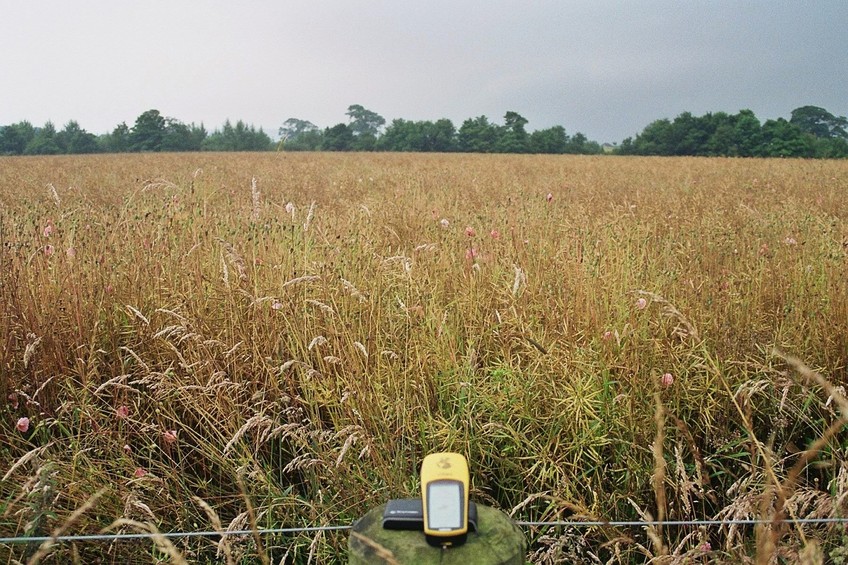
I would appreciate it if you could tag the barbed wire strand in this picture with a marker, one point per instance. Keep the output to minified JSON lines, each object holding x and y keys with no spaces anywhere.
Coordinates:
{"x":305,"y":529}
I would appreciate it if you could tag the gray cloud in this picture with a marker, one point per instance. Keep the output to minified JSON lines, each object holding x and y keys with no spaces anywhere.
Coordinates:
{"x":604,"y":68}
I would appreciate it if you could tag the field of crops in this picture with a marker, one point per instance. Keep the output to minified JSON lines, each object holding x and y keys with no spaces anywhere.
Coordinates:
{"x":209,"y":341}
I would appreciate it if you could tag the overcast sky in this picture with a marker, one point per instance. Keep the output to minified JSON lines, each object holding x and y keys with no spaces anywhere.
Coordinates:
{"x":604,"y":68}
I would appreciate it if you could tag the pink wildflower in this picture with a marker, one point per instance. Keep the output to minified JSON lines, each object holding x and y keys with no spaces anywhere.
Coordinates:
{"x":289,"y":208}
{"x":13,"y":400}
{"x":276,"y":305}
{"x":549,"y":197}
{"x":641,"y":304}
{"x":127,"y":449}
{"x":706,"y":546}
{"x":139,"y":473}
{"x":22,"y":425}
{"x":471,"y":253}
{"x":495,"y":234}
{"x":48,"y":229}
{"x":49,"y":250}
{"x":667,"y":380}
{"x":71,"y":252}
{"x":469,"y":231}
{"x":122,"y":412}
{"x":608,"y":335}
{"x":170,"y":436}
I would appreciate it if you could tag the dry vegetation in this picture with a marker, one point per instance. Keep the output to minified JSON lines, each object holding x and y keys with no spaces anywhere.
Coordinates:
{"x":198,"y":351}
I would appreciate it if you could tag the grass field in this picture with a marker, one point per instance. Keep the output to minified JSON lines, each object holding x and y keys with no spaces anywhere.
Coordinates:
{"x":210,"y":341}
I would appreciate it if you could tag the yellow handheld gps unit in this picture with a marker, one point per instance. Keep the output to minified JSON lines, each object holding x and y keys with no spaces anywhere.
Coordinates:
{"x":444,"y":489}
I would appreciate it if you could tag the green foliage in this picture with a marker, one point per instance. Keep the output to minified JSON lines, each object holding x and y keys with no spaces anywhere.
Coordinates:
{"x":423,"y":136}
{"x":15,"y":137}
{"x":338,"y":138}
{"x":819,"y":122}
{"x":148,"y":132}
{"x":300,"y":135}
{"x":74,"y":139}
{"x":118,"y":141}
{"x":241,"y":137}
{"x":44,"y":141}
{"x":364,"y":122}
{"x":478,"y":135}
{"x":811,"y":132}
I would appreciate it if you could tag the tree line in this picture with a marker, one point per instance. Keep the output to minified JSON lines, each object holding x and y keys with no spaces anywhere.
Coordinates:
{"x":810,"y":132}
{"x":151,"y":132}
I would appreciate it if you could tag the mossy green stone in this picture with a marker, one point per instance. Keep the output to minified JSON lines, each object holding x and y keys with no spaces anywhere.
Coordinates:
{"x":498,"y":541}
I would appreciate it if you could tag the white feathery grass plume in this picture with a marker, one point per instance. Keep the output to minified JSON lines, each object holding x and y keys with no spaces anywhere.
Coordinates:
{"x":257,"y":421}
{"x":30,"y":348}
{"x":361,"y":349}
{"x":54,"y":194}
{"x":234,"y":258}
{"x":353,"y":291}
{"x":309,"y":215}
{"x":225,"y":272}
{"x":317,"y":341}
{"x":233,"y":349}
{"x":255,"y":197}
{"x":323,"y":307}
{"x":138,"y":315}
{"x":350,"y":441}
{"x":288,"y":364}
{"x":520,"y":278}
{"x":176,"y":315}
{"x":298,"y":280}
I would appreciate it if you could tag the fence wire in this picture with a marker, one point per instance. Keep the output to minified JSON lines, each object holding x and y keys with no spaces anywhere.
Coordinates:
{"x":308,"y":529}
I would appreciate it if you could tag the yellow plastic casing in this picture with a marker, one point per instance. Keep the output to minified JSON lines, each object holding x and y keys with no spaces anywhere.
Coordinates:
{"x":444,"y":492}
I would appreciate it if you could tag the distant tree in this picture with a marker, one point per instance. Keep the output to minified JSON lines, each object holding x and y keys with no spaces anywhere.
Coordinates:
{"x":148,"y":132}
{"x":74,"y":139}
{"x":241,"y":137}
{"x":402,"y":135}
{"x":14,"y":138}
{"x":116,"y":142}
{"x":550,"y":140}
{"x":294,"y":128}
{"x":722,"y":139}
{"x":440,"y":136}
{"x":478,"y":135}
{"x":44,"y":142}
{"x":181,"y":137}
{"x":338,"y":138}
{"x":747,"y":133}
{"x":307,"y":141}
{"x":363,"y":121}
{"x":579,"y":144}
{"x":364,"y":142}
{"x":783,"y":139}
{"x":655,"y":139}
{"x":424,"y":136}
{"x":513,"y":137}
{"x":819,"y":122}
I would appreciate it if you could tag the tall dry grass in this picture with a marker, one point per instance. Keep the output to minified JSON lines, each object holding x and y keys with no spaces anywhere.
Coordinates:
{"x":213,"y":342}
